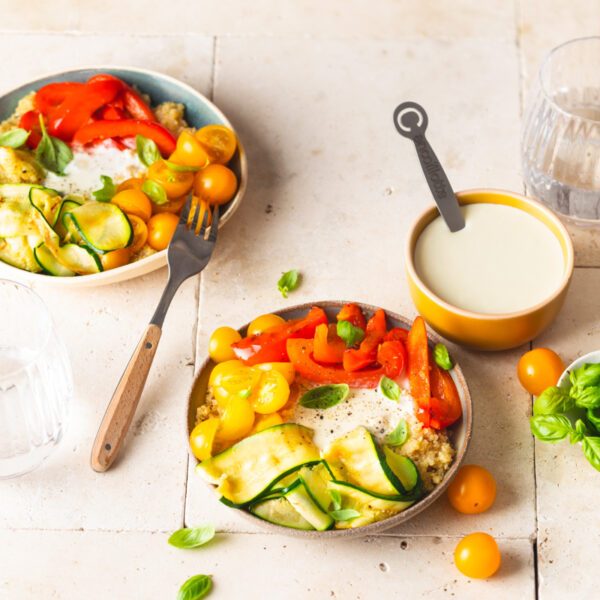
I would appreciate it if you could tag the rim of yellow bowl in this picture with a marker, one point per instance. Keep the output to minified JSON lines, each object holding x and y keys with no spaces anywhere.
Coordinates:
{"x":431,"y":213}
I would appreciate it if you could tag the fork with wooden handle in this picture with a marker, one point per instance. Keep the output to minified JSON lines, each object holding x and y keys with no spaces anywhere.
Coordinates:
{"x":188,"y":253}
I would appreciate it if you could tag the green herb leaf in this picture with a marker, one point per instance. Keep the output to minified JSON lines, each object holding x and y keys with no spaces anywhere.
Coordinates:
{"x":195,"y":588}
{"x":553,"y":400}
{"x":550,"y":428}
{"x":577,"y":434}
{"x":345,"y":514}
{"x":442,"y":358}
{"x":350,"y":334}
{"x":288,"y":282}
{"x":593,"y":419}
{"x":192,"y":537}
{"x":147,"y":150}
{"x":53,"y":154}
{"x":389,"y":388}
{"x":588,"y":374}
{"x":182,"y":168}
{"x":325,"y":396}
{"x":155,"y":192}
{"x":107,"y":191}
{"x":245,"y":393}
{"x":587,"y":397}
{"x":591,"y":449}
{"x":14,"y":138}
{"x":336,"y":498}
{"x":399,"y":435}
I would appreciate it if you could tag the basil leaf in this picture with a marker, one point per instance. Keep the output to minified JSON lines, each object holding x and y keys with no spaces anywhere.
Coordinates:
{"x":553,"y":400}
{"x":399,"y":435}
{"x":588,"y":397}
{"x":325,"y":396}
{"x":182,"y":168}
{"x":345,"y":514}
{"x":195,"y":588}
{"x":155,"y":192}
{"x":442,"y":358}
{"x":550,"y":428}
{"x":245,"y":393}
{"x":591,"y":449}
{"x":389,"y":388}
{"x":192,"y":537}
{"x":336,"y":498}
{"x":577,"y":434}
{"x":147,"y":150}
{"x":350,"y":334}
{"x":107,"y":191}
{"x":593,"y":419}
{"x":588,"y":374}
{"x":53,"y":154}
{"x":14,"y":138}
{"x":288,"y":282}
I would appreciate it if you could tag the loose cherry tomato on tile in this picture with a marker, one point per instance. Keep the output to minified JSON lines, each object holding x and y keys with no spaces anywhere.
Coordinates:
{"x":236,"y":421}
{"x":215,"y":183}
{"x":264,"y":322}
{"x":473,"y":490}
{"x":134,"y":202}
{"x":272,"y":393}
{"x":218,"y":141}
{"x":140,"y":233}
{"x":202,"y":438}
{"x":219,"y":345}
{"x":115,"y":258}
{"x":477,"y":556}
{"x":189,"y":152}
{"x":175,"y":183}
{"x":161,"y":228}
{"x":539,"y":369}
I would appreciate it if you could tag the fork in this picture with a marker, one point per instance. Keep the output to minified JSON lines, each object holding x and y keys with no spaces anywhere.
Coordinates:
{"x":188,"y":253}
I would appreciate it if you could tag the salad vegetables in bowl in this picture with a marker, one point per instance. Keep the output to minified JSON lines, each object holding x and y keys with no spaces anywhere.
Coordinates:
{"x":95,"y":167}
{"x":332,"y":419}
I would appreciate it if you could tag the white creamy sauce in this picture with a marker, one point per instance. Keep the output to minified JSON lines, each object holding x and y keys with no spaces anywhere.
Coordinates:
{"x":82,"y":174}
{"x":362,"y":407}
{"x":504,"y":260}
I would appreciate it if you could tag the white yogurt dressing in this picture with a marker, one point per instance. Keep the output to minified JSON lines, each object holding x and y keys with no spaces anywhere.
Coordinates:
{"x":504,"y":260}
{"x":82,"y":174}
{"x":362,"y":407}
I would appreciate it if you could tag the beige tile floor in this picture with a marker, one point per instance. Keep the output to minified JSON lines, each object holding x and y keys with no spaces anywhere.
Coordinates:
{"x":332,"y":190}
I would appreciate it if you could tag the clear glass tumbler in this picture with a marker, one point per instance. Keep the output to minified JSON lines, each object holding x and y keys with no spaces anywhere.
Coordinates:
{"x":560,"y":142}
{"x":35,"y":381}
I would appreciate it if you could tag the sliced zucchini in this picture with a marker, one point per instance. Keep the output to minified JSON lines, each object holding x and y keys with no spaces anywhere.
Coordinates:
{"x":47,"y":202}
{"x":67,"y":204}
{"x":301,"y":500}
{"x":15,"y":219}
{"x":49,"y":262}
{"x":79,"y":259}
{"x":17,"y":192}
{"x":280,"y":512}
{"x":405,"y":470}
{"x":102,"y":225}
{"x":370,"y":508}
{"x":315,"y":480}
{"x":248,"y":469}
{"x":17,"y":251}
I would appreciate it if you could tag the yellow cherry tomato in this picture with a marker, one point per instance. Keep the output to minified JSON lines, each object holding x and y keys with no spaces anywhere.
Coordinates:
{"x":234,"y":380}
{"x":140,"y":233}
{"x":202,"y":438}
{"x":264,"y":322}
{"x":477,"y":556}
{"x":134,"y":202}
{"x":285,"y":368}
{"x":219,"y":345}
{"x":236,"y":421}
{"x":215,"y":183}
{"x":133,"y":183}
{"x":272,"y":393}
{"x":172,"y":206}
{"x":473,"y":490}
{"x":161,"y":228}
{"x":223,"y":370}
{"x":116,"y":258}
{"x":204,"y":207}
{"x":539,"y":369}
{"x":218,"y":141}
{"x":265,"y":421}
{"x":189,"y":151}
{"x":175,"y":183}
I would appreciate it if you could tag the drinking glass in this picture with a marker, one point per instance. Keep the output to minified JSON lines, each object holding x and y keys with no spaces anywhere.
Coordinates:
{"x":35,"y":381}
{"x":560,"y":142}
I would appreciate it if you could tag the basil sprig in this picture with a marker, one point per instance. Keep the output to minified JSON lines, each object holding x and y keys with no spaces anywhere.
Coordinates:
{"x":336,"y":499}
{"x":288,"y":282}
{"x":107,"y":191}
{"x":550,"y":428}
{"x":192,"y":537}
{"x":591,"y":449}
{"x":349,"y":333}
{"x":442,"y":357}
{"x":53,"y":154}
{"x":14,"y":138}
{"x":553,"y":400}
{"x":389,"y":388}
{"x":195,"y":588}
{"x":155,"y":192}
{"x":399,"y":435}
{"x":344,"y":514}
{"x":325,"y":396}
{"x":147,"y":150}
{"x":181,"y":168}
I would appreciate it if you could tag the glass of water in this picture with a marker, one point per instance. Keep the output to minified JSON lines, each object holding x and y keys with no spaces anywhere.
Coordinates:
{"x":560,"y":142}
{"x":35,"y":381}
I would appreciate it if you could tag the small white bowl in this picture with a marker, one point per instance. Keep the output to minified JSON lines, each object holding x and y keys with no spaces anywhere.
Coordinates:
{"x":590,"y":357}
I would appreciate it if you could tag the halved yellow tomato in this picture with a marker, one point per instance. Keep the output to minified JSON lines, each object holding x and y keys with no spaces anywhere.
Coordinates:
{"x":202,"y":438}
{"x":264,"y":322}
{"x":272,"y":393}
{"x":285,"y":368}
{"x":236,"y":421}
{"x":218,"y":141}
{"x":265,"y":421}
{"x":234,"y":380}
{"x":219,"y":345}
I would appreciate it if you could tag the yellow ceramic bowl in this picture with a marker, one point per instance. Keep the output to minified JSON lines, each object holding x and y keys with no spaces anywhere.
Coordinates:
{"x":489,"y":331}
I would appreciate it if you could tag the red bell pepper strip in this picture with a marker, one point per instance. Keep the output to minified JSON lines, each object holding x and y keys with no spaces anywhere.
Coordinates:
{"x":359,"y":358}
{"x":329,"y":347}
{"x":270,"y":345}
{"x":132,"y":101}
{"x":101,"y":130}
{"x":78,"y":107}
{"x":30,"y":121}
{"x":351,"y":312}
{"x":355,"y":359}
{"x":110,"y":113}
{"x":48,"y":97}
{"x":444,"y":406}
{"x":418,"y":361}
{"x":392,"y":355}
{"x":396,"y":334}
